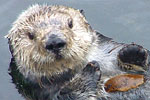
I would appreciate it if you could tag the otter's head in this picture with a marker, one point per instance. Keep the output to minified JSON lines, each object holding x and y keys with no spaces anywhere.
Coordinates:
{"x":49,"y":39}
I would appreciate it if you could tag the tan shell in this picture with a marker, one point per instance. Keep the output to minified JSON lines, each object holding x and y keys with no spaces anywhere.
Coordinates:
{"x":124,"y":82}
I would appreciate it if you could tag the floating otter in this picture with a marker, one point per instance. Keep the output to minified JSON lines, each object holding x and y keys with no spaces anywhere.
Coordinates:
{"x":58,"y":56}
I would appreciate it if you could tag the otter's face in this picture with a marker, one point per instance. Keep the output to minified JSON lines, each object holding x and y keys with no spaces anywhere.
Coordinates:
{"x":50,"y":37}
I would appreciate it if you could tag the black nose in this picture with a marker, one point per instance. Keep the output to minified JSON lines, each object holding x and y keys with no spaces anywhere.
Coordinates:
{"x":55,"y":44}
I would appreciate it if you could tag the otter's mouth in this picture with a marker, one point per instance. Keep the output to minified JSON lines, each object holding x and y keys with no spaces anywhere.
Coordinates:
{"x":58,"y":56}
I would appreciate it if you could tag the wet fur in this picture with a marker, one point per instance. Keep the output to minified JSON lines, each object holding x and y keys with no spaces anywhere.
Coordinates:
{"x":85,"y":45}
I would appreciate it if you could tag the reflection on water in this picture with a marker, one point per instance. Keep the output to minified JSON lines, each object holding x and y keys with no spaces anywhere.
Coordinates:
{"x":124,"y":20}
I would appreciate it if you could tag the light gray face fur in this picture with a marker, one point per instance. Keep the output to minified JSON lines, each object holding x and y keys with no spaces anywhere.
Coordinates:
{"x":31,"y":30}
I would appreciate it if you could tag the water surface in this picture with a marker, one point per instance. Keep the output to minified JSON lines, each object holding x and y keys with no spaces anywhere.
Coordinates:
{"x":123,"y":20}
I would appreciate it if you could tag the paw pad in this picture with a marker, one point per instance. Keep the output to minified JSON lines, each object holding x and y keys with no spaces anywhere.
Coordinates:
{"x":133,"y":57}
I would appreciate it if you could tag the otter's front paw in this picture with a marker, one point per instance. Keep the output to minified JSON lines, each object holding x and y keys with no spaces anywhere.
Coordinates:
{"x":133,"y":58}
{"x":93,"y":69}
{"x":83,"y":85}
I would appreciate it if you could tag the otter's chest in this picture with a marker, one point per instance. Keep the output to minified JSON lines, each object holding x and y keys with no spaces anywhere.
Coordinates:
{"x":106,"y":56}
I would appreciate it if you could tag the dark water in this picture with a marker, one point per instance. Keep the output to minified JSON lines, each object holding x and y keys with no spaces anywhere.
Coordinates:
{"x":124,"y":20}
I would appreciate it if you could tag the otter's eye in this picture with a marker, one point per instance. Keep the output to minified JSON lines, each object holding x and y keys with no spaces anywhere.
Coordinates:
{"x":30,"y":35}
{"x":70,"y":23}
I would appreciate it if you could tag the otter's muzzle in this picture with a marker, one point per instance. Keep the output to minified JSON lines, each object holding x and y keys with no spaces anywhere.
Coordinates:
{"x":55,"y":43}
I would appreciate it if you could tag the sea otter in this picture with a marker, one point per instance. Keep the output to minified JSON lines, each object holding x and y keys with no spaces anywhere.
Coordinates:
{"x":58,"y":56}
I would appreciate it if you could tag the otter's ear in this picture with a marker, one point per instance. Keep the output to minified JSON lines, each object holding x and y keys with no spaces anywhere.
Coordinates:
{"x":82,"y":12}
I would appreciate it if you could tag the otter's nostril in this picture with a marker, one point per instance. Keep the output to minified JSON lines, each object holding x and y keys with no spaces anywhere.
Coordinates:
{"x":60,"y":45}
{"x":49,"y":47}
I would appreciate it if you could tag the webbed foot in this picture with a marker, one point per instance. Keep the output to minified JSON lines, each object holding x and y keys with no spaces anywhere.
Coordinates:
{"x":124,"y":82}
{"x":133,"y":58}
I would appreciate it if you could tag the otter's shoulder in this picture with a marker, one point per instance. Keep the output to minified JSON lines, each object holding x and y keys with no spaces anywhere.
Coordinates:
{"x":102,"y":38}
